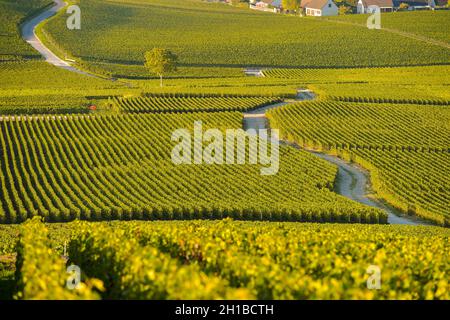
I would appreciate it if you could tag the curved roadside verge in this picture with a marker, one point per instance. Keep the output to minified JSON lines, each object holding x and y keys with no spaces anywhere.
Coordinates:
{"x":28,"y":33}
{"x":352,"y":182}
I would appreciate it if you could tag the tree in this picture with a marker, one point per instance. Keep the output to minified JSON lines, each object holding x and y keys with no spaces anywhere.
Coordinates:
{"x":160,"y":61}
{"x":290,"y":4}
{"x":403,"y":6}
{"x":344,"y":10}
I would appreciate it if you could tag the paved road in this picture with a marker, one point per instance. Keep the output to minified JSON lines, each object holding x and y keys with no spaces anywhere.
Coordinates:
{"x":352,"y":181}
{"x":29,"y":35}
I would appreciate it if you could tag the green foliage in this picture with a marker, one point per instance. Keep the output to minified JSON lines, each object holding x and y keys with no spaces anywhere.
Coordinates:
{"x":138,"y":71}
{"x":343,"y":10}
{"x":403,"y":6}
{"x":423,"y":85}
{"x":242,"y":260}
{"x":41,"y":272}
{"x":218,"y":35}
{"x":191,"y":103}
{"x":12,"y":46}
{"x":36,"y":87}
{"x":119,"y":167}
{"x":8,"y":239}
{"x":414,"y":180}
{"x":309,"y":261}
{"x":160,"y":61}
{"x":405,"y":147}
{"x":290,"y":4}
{"x":365,"y":125}
{"x":134,"y":272}
{"x":431,"y":24}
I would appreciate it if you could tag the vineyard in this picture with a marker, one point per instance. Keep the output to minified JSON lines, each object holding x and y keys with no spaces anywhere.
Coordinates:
{"x":423,"y":24}
{"x":12,"y":47}
{"x":138,"y":71}
{"x":416,"y":182}
{"x":119,"y":167}
{"x":156,"y":104}
{"x":87,"y":177}
{"x":366,"y":125}
{"x":405,"y":147}
{"x":36,"y":87}
{"x":210,"y":34}
{"x":232,"y":259}
{"x":414,"y":85}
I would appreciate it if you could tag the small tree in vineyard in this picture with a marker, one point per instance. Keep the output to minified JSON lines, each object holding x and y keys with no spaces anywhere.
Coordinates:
{"x":160,"y":61}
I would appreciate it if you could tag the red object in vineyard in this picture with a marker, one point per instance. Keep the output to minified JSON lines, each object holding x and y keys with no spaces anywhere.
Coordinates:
{"x":92,"y":107}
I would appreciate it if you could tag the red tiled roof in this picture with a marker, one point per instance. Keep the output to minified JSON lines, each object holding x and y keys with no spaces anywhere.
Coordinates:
{"x":314,"y":4}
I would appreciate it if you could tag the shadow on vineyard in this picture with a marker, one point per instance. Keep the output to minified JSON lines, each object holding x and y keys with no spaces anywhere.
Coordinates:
{"x":7,"y":279}
{"x":93,"y":206}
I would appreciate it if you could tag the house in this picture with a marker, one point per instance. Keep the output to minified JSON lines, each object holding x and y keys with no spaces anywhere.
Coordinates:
{"x":268,"y":4}
{"x":416,"y":4}
{"x":319,"y":8}
{"x":384,"y":5}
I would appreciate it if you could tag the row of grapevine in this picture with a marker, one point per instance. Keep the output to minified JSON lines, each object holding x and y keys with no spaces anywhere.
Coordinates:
{"x":12,"y":46}
{"x":135,"y":272}
{"x":405,"y":147}
{"x":119,"y":167}
{"x":417,"y":184}
{"x":41,"y":272}
{"x":216,"y":38}
{"x":233,"y":260}
{"x":301,"y":261}
{"x":190,"y":104}
{"x":354,"y":125}
{"x":390,"y":100}
{"x":197,"y":95}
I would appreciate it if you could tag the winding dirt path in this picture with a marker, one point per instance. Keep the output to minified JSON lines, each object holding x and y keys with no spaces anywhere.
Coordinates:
{"x":352,"y":182}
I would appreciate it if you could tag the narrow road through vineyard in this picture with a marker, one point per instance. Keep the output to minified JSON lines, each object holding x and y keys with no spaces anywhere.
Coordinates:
{"x":352,"y":182}
{"x":28,"y":32}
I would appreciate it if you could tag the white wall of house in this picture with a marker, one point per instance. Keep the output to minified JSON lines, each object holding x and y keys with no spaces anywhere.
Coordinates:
{"x":329,"y":9}
{"x":313,"y":12}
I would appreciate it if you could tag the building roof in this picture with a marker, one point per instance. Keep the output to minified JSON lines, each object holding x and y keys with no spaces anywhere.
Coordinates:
{"x":313,"y":4}
{"x":275,"y":3}
{"x":378,"y":3}
{"x":414,"y":3}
